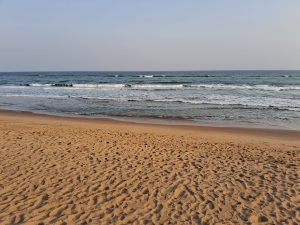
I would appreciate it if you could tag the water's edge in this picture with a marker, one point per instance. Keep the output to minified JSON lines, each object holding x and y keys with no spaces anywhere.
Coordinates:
{"x":152,"y":121}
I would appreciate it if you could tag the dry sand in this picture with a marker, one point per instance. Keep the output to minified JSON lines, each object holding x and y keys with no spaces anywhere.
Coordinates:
{"x":79,"y":171}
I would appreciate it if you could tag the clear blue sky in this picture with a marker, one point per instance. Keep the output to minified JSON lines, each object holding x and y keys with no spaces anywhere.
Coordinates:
{"x":149,"y":34}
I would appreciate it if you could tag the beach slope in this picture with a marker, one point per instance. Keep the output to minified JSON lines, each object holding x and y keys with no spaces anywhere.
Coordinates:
{"x":56,"y":170}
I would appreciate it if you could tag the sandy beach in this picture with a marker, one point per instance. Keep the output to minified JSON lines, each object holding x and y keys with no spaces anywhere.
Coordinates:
{"x":56,"y":170}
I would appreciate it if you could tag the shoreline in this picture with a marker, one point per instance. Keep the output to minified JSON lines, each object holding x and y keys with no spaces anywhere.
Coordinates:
{"x":222,"y":123}
{"x":276,"y":135}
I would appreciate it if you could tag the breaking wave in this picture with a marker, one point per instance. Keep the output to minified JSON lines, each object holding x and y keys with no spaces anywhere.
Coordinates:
{"x":161,"y":86}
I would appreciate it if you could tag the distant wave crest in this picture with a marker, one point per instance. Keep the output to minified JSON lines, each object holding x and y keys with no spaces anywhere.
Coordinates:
{"x":161,"y":86}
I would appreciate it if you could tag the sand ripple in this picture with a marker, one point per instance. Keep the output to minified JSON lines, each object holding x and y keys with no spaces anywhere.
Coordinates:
{"x":65,"y":175}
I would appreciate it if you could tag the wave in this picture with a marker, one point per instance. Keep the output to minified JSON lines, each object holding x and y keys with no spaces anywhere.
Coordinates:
{"x":35,"y":96}
{"x":253,"y":87}
{"x":173,"y":76}
{"x":248,"y":104}
{"x":67,"y":85}
{"x":146,"y":76}
{"x":98,"y":85}
{"x":221,"y":101}
{"x":48,"y":85}
{"x":160,"y":86}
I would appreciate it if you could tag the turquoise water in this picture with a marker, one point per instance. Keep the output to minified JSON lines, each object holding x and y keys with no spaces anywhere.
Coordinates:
{"x":247,"y":98}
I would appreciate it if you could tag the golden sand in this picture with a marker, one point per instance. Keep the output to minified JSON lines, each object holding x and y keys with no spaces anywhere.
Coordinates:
{"x":79,"y":171}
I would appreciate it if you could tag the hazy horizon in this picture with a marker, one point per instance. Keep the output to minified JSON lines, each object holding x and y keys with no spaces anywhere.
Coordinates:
{"x":154,"y":70}
{"x":137,"y":35}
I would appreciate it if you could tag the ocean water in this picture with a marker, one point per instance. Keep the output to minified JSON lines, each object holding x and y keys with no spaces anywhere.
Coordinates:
{"x":269,"y":99}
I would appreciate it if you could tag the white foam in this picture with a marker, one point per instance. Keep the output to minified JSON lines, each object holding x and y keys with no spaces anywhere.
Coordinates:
{"x":34,"y":96}
{"x":108,"y":86}
{"x":255,"y":87}
{"x":165,"y":86}
{"x":156,"y":86}
{"x":146,"y":76}
{"x":39,"y":85}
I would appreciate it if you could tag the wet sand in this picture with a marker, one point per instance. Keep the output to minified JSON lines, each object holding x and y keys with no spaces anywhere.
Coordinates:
{"x":56,"y":170}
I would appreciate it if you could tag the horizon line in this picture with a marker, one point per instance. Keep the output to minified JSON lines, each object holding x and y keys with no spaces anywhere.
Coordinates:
{"x":193,"y":70}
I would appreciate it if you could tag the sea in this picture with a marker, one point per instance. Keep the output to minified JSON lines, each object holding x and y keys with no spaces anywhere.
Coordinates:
{"x":261,"y":99}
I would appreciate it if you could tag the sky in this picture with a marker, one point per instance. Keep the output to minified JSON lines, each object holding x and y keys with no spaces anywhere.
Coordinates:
{"x":57,"y":35}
